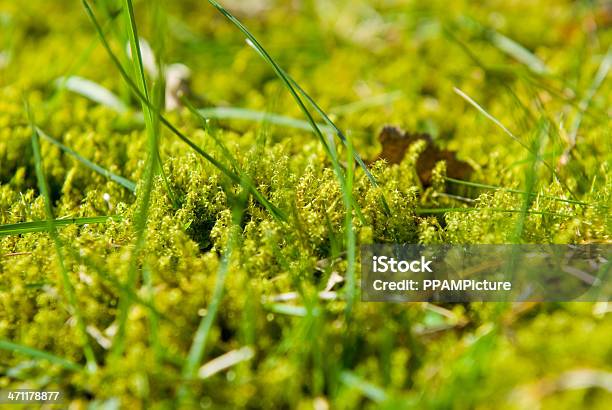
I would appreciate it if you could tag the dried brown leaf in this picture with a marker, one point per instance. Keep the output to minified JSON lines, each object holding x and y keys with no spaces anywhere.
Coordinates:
{"x":395,"y":142}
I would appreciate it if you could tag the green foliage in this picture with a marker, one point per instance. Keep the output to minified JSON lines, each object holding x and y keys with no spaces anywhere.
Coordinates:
{"x":244,"y":240}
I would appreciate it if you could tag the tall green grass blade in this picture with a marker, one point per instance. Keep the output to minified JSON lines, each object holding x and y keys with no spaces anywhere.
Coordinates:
{"x":347,"y":191}
{"x":68,"y":288}
{"x":490,"y":117}
{"x":124,"y":182}
{"x":294,"y":89}
{"x":289,"y":85}
{"x":134,"y":88}
{"x":41,"y":226}
{"x":39,"y":354}
{"x":144,"y":193}
{"x":279,"y":72}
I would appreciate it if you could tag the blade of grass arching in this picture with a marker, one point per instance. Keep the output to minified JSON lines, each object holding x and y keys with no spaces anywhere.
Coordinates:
{"x":93,"y":91}
{"x":279,"y":215}
{"x":198,"y":345}
{"x":290,"y":83}
{"x":347,"y":193}
{"x":39,"y":354}
{"x":294,"y":89}
{"x":427,"y":211}
{"x":279,"y":72}
{"x":511,"y":135}
{"x":89,"y":164}
{"x":41,"y":226}
{"x":514,"y":191}
{"x":252,"y":41}
{"x":490,"y":117}
{"x":68,"y":288}
{"x":235,"y":113}
{"x":144,"y":192}
{"x":365,"y":103}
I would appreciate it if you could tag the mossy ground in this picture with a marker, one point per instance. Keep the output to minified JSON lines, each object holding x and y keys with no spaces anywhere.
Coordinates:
{"x":307,"y":351}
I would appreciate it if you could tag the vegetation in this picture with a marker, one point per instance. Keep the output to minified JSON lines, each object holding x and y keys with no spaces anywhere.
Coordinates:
{"x":206,"y":255}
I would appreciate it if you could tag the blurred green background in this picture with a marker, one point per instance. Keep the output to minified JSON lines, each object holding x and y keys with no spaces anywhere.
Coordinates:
{"x":540,"y":68}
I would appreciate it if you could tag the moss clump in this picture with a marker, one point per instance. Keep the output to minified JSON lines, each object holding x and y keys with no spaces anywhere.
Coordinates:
{"x":307,"y":351}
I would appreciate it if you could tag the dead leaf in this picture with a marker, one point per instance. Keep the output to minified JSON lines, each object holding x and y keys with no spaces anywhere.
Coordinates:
{"x":395,"y":142}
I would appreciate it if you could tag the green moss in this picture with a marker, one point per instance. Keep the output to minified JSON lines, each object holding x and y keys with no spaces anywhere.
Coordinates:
{"x":421,"y":356}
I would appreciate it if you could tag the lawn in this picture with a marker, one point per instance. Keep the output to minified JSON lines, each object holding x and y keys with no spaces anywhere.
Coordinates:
{"x":185,"y":187}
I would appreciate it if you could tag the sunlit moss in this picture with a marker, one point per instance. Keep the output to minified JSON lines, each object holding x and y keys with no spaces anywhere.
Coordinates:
{"x":422,"y":357}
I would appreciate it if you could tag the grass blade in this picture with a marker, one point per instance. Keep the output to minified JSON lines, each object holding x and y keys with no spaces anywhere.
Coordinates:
{"x":225,"y":361}
{"x":39,"y":354}
{"x":234,"y":113}
{"x":126,"y":183}
{"x":134,"y":88}
{"x":144,"y":193}
{"x":514,"y":191}
{"x":41,"y":226}
{"x":350,"y":234}
{"x":426,"y":211}
{"x":294,"y":89}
